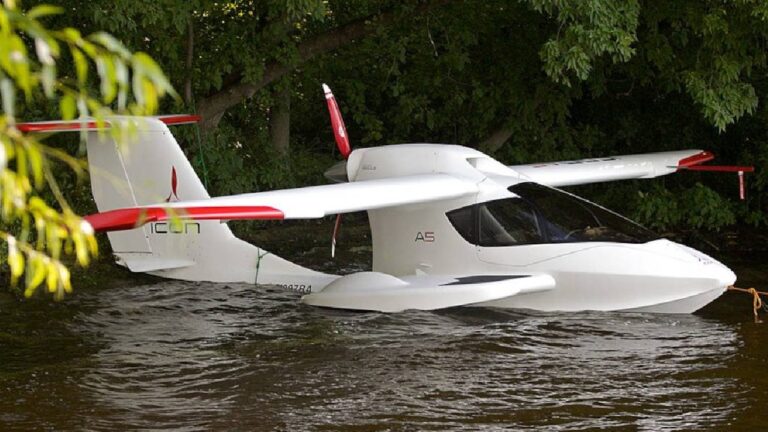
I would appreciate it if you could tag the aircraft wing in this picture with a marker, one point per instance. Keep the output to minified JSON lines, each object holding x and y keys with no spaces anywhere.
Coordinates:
{"x":301,"y":203}
{"x":638,"y":166}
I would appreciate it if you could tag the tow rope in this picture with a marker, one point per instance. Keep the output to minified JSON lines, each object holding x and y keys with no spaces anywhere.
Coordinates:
{"x":259,"y":256}
{"x":757,"y":301}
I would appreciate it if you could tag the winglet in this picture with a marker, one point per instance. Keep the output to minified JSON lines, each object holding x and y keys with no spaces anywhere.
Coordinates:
{"x":693,"y":163}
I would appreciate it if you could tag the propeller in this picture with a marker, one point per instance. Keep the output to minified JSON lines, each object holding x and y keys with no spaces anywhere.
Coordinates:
{"x":338,"y":172}
{"x":339,"y":130}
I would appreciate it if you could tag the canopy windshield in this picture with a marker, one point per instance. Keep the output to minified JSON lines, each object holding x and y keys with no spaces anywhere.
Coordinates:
{"x":540,"y":214}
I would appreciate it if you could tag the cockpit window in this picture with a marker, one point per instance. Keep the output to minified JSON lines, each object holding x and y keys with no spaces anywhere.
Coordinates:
{"x":463,"y":220}
{"x":543,"y":215}
{"x":508,"y":222}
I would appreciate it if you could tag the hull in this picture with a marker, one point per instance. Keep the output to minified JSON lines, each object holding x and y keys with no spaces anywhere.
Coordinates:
{"x":555,"y":301}
{"x":660,"y":276}
{"x":684,"y":305}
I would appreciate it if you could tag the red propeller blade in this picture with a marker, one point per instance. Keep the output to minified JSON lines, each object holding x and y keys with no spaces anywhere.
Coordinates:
{"x":342,"y":142}
{"x":339,"y":130}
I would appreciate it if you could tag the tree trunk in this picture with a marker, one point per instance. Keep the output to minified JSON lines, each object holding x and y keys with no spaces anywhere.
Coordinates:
{"x":496,"y":139}
{"x":280,"y":120}
{"x":188,"y":96}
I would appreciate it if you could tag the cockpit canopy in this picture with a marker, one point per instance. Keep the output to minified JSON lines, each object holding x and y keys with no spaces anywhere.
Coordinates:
{"x":541,"y":214}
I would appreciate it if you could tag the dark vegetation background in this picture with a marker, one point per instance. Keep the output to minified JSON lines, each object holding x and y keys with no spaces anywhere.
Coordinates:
{"x":524,"y":81}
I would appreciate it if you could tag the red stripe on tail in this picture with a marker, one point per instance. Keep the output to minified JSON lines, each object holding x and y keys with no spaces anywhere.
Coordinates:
{"x":90,"y":125}
{"x":59,"y":126}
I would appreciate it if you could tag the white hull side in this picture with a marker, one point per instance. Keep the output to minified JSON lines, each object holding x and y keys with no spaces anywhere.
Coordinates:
{"x":660,"y":276}
{"x":685,"y":305}
{"x":231,"y":260}
{"x":559,"y":300}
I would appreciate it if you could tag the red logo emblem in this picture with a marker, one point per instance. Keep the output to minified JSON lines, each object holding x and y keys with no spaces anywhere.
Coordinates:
{"x":174,"y":183}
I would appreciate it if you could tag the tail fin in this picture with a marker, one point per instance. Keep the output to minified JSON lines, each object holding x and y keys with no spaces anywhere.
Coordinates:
{"x":149,"y":168}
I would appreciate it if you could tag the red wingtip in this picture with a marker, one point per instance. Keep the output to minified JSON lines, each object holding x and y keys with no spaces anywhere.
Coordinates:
{"x":337,"y":122}
{"x":698,"y":158}
{"x":692,"y":163}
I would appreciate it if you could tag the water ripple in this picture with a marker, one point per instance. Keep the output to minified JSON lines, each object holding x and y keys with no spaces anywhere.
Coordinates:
{"x":196,"y":356}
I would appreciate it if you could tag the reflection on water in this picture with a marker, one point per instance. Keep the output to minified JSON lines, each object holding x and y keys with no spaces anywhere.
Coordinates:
{"x":195,"y":356}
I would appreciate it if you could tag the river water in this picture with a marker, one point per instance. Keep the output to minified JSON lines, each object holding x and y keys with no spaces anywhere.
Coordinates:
{"x":195,"y":356}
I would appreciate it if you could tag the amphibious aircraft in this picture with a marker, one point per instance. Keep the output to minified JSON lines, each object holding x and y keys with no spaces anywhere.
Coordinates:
{"x":450,"y":226}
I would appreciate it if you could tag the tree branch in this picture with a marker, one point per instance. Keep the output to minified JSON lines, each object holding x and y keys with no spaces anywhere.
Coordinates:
{"x":213,"y":107}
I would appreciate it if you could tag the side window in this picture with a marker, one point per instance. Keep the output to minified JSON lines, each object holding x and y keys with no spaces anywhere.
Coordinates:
{"x":543,"y":215}
{"x":566,"y":218}
{"x":508,"y":222}
{"x":463,"y":220}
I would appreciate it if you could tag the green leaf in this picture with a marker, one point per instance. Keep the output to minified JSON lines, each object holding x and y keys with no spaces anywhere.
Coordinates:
{"x":48,"y":78}
{"x":8,"y":95}
{"x":67,"y":107}
{"x":81,"y":65}
{"x":108,"y":78}
{"x":109,"y":42}
{"x":43,"y":10}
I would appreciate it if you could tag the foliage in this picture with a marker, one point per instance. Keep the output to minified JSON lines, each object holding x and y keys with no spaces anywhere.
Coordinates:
{"x":699,"y":207}
{"x":588,"y":30}
{"x":530,"y":80}
{"x":38,"y":235}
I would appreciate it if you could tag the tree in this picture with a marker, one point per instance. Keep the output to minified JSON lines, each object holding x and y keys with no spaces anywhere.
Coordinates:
{"x":528,"y":80}
{"x":38,"y":235}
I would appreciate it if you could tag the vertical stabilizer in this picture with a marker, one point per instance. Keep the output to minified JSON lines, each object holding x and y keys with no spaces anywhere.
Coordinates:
{"x":149,"y":167}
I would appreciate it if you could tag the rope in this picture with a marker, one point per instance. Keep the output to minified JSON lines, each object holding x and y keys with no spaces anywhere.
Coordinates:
{"x":202,"y":155}
{"x":259,"y":256}
{"x":757,"y":301}
{"x":200,"y":147}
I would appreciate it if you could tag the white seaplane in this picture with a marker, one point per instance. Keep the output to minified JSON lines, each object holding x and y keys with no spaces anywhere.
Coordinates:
{"x":450,"y":226}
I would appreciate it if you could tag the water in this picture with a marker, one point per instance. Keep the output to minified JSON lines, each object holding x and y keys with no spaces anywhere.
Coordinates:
{"x":196,"y":356}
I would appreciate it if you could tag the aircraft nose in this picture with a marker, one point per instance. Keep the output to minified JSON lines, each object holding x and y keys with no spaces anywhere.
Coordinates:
{"x":703,"y":265}
{"x":725,"y":276}
{"x":713,"y":268}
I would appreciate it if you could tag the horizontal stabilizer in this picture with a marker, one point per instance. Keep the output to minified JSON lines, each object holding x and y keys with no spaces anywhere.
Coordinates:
{"x":385,"y":293}
{"x":146,"y":262}
{"x":91,"y":124}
